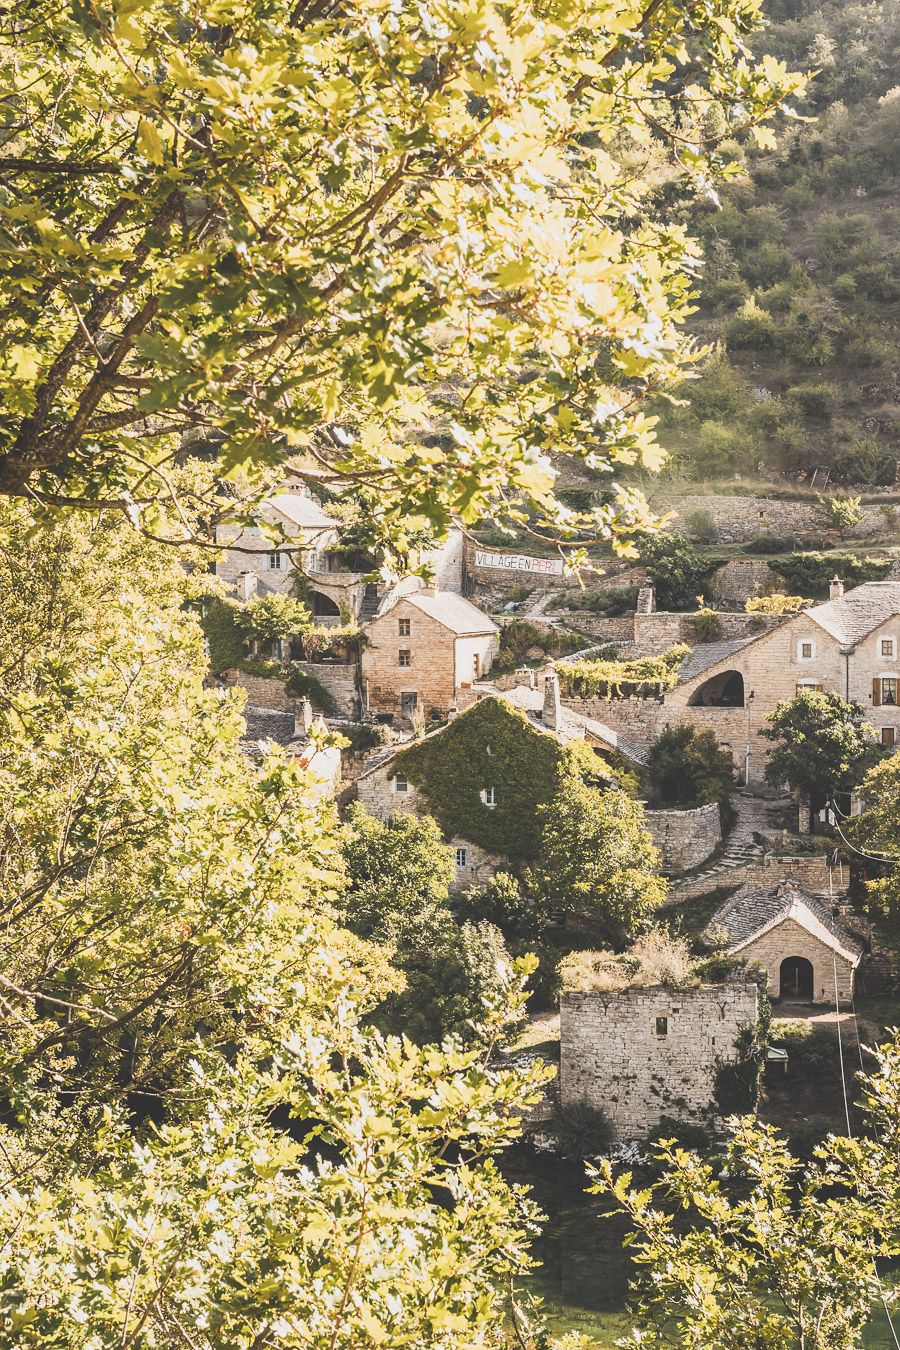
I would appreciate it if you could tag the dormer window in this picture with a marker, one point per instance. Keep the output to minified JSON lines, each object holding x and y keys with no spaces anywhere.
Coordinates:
{"x":489,"y":796}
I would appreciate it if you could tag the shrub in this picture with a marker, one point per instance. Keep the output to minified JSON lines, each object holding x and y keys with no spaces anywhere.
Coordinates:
{"x":768,"y":543}
{"x":362,"y":736}
{"x":224,"y":637}
{"x":810,"y":573}
{"x":752,"y":327}
{"x":582,"y":1131}
{"x":707,"y":625}
{"x":268,"y":618}
{"x":657,"y":957}
{"x":301,"y":685}
{"x":687,"y":768}
{"x":840,"y":513}
{"x":503,"y":902}
{"x":520,"y":637}
{"x":776,"y":604}
{"x":700,"y":524}
{"x":677,"y":568}
{"x":644,"y":676}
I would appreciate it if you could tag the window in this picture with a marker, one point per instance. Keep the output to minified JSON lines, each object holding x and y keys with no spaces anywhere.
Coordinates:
{"x":404,"y":657}
{"x":888,"y":735}
{"x":886,"y":647}
{"x":662,"y":1026}
{"x":806,"y":651}
{"x":275,"y":562}
{"x":884,"y":691}
{"x":489,"y":796}
{"x":808,"y":687}
{"x":401,"y":784}
{"x":403,"y":626}
{"x":461,"y":857}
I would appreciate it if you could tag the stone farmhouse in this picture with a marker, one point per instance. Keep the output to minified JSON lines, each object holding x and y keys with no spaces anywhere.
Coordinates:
{"x":809,"y":957}
{"x":850,"y":645}
{"x":297,"y":732}
{"x":645,"y":1053}
{"x":423,"y":649}
{"x":502,"y":754}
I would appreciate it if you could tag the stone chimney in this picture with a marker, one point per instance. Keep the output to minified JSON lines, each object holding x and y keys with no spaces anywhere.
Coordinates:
{"x":836,"y":589}
{"x":551,"y":714}
{"x":646,"y":599}
{"x":247,"y":583}
{"x":303,"y":719}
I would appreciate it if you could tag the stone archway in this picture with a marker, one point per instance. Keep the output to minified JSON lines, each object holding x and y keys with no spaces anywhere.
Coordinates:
{"x":323,"y":607}
{"x":725,"y":690}
{"x":796,"y":980}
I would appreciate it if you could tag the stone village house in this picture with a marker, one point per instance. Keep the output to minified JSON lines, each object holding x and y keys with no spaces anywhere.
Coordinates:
{"x":423,"y":650}
{"x":652,"y":1051}
{"x":685,"y":838}
{"x":850,"y":645}
{"x":808,"y":955}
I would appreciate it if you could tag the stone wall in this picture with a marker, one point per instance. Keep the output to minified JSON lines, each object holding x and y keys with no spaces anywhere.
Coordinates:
{"x":642,"y":1054}
{"x":743,"y":578}
{"x":685,"y":838}
{"x":262,"y":691}
{"x":740,"y":518}
{"x":791,"y":939}
{"x":340,"y":679}
{"x":811,"y":872}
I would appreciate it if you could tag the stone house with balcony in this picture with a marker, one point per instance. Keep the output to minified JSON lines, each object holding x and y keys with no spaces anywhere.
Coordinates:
{"x":423,"y":649}
{"x":808,"y":955}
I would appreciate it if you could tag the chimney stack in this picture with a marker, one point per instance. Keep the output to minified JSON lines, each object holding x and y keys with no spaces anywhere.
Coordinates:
{"x":247,"y":583}
{"x":646,"y":599}
{"x":303,"y":719}
{"x":836,"y":589}
{"x":551,"y":715}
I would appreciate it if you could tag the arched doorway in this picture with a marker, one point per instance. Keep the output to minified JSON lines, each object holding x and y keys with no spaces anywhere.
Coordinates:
{"x":323,"y":607}
{"x":725,"y":690}
{"x":796,"y":984}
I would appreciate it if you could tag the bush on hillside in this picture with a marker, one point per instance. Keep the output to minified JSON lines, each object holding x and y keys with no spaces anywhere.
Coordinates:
{"x":810,"y":573}
{"x":688,"y":768}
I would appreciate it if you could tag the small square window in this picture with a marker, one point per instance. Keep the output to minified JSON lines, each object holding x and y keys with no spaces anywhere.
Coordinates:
{"x":662,"y":1026}
{"x":887,"y":646}
{"x":461,"y":857}
{"x":888,"y":735}
{"x":806,"y":651}
{"x":401,"y":784}
{"x":489,"y":796}
{"x":403,"y":626}
{"x":404,"y":657}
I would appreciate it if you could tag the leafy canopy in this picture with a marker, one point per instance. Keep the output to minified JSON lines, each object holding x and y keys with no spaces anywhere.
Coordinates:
{"x":417,"y":243}
{"x":686,"y":767}
{"x":203,"y":1141}
{"x":821,"y":745}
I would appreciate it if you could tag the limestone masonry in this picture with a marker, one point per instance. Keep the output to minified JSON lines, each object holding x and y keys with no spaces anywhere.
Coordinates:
{"x":641,"y":1054}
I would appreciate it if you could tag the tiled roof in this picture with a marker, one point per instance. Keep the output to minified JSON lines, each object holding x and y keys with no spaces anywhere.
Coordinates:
{"x":749,"y":914}
{"x":301,"y":510}
{"x":707,"y":654}
{"x":857,"y":612}
{"x":451,"y":610}
{"x":268,"y":724}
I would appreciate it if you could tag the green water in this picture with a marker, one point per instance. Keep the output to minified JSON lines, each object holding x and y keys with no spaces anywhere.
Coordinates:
{"x":584,"y":1272}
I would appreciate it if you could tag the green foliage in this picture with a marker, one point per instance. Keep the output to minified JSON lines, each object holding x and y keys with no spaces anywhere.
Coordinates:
{"x":781,"y":1261}
{"x":700,"y":524}
{"x":877,"y":831}
{"x":768,"y":543}
{"x":267,"y":618}
{"x":503,"y":902}
{"x":737,"y":1081}
{"x":707,"y":625}
{"x":676,"y":567}
{"x":582,"y":1131}
{"x":840,"y":513}
{"x":521,"y":637}
{"x":202,"y":1141}
{"x":645,"y":675}
{"x":596,"y":861}
{"x":490,"y":744}
{"x":821,"y":745}
{"x":223,"y":634}
{"x":687,"y":768}
{"x":776,"y":604}
{"x":180,"y":253}
{"x":810,"y":573}
{"x":399,"y":875}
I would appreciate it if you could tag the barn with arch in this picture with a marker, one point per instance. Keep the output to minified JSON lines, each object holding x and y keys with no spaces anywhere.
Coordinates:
{"x":810,"y":957}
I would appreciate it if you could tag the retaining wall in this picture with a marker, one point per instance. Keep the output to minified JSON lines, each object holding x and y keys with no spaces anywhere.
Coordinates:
{"x":685,"y":838}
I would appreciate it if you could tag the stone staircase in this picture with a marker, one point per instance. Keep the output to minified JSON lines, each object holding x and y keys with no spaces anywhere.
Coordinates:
{"x":370,"y":602}
{"x":741,"y":848}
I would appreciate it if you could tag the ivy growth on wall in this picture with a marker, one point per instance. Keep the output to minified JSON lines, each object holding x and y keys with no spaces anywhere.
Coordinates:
{"x":736,"y":1090}
{"x":490,"y":745}
{"x":645,"y":677}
